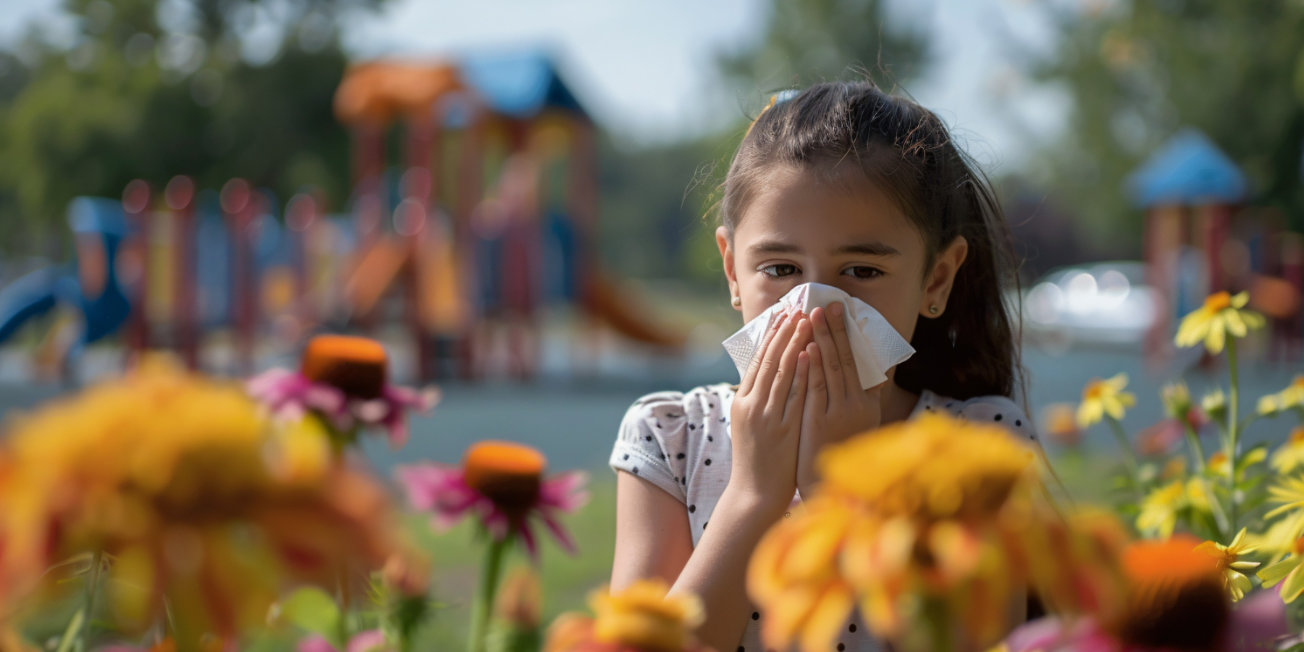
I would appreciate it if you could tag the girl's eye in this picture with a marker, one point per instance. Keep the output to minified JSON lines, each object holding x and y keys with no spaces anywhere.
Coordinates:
{"x":779,"y":270}
{"x":863,"y":272}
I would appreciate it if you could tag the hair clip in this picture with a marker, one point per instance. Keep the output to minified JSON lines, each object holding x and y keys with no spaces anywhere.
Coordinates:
{"x":777,"y":98}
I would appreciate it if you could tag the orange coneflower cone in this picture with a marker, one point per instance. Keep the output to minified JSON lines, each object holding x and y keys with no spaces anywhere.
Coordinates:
{"x":1176,"y":598}
{"x":356,"y":366}
{"x":509,"y":474}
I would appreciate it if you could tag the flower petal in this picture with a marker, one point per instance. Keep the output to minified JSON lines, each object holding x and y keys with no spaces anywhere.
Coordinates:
{"x":826,"y":618}
{"x":1293,"y":586}
{"x":1216,"y":338}
{"x":1275,"y":572}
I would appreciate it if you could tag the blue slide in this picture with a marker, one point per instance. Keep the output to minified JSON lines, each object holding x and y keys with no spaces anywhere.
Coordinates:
{"x":40,"y":291}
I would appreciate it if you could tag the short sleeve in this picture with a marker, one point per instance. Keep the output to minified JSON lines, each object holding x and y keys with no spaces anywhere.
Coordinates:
{"x":998,"y":410}
{"x":651,"y":440}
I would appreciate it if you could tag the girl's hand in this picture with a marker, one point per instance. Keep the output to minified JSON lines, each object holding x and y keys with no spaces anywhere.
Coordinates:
{"x":836,"y":407}
{"x":766,"y":416}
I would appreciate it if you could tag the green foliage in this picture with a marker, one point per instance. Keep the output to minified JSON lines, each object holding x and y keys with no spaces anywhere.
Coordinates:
{"x":818,"y":40}
{"x":1137,"y":72}
{"x":151,"y":90}
{"x":662,"y":196}
{"x":311,"y":610}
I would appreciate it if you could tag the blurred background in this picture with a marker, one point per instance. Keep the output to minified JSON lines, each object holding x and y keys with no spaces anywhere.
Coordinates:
{"x":515,"y":196}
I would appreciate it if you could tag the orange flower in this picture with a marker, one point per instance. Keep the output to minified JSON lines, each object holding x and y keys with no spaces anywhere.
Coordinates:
{"x":1176,"y":598}
{"x":356,"y":365}
{"x":639,"y":619}
{"x":185,"y":481}
{"x":956,"y":520}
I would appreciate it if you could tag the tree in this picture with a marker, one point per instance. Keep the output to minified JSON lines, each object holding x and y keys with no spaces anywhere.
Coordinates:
{"x":152,"y":89}
{"x":1137,"y":72}
{"x":819,"y":40}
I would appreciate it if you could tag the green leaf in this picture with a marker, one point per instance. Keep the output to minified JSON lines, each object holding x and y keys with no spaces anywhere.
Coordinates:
{"x":311,"y":609}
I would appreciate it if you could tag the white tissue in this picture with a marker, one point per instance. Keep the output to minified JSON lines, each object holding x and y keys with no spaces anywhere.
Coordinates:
{"x":876,"y":346}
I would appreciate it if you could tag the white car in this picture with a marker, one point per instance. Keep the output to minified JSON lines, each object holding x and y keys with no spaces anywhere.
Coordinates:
{"x":1097,"y":304}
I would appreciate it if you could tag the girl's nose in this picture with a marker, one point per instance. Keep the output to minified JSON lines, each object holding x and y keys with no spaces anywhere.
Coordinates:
{"x":825,"y":277}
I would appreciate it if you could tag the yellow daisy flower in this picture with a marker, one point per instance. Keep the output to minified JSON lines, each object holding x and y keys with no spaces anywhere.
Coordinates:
{"x":1221,"y":314}
{"x":1159,"y":509}
{"x":1230,"y":564}
{"x":1287,"y":571}
{"x":1101,"y":397}
{"x":1218,"y":463}
{"x":1291,"y":397}
{"x":1291,"y":454}
{"x":1290,"y":493}
{"x":1276,"y":541}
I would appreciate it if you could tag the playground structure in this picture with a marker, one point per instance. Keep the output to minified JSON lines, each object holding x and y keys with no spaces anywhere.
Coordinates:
{"x":1200,"y":237}
{"x":486,"y":216}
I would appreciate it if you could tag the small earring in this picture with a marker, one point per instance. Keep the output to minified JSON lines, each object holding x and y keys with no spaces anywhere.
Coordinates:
{"x":933,"y":310}
{"x":737,"y":301}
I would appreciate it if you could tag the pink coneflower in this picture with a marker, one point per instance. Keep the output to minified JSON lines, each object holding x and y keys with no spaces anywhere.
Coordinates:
{"x":502,"y":484}
{"x":345,"y":381}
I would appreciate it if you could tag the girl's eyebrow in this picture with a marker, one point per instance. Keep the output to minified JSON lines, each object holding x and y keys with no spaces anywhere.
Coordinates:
{"x":869,"y":248}
{"x":773,"y":247}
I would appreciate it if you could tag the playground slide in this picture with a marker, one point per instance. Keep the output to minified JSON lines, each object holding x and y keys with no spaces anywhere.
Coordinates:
{"x":30,"y":296}
{"x":375,"y":272}
{"x":624,"y":314}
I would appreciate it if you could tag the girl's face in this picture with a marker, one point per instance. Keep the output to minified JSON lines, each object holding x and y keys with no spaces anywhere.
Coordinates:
{"x":801,"y":227}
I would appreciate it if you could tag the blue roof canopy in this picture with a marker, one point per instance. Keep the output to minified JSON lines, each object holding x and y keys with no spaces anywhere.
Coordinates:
{"x":519,"y":85}
{"x":1189,"y":169}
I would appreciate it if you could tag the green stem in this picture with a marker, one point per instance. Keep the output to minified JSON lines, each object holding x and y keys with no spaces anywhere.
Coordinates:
{"x":1233,"y":431}
{"x":71,"y":632}
{"x":937,"y":633}
{"x":1193,"y":440}
{"x":484,"y":597}
{"x":1133,"y":474}
{"x":92,"y":585}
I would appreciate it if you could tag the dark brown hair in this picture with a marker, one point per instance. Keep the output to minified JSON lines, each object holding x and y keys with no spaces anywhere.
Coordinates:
{"x":905,"y":151}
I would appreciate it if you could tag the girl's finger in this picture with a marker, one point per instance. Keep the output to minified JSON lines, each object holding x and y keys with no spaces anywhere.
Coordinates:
{"x":846,"y":359}
{"x":828,"y":355}
{"x":817,"y":389}
{"x":753,"y":367}
{"x":783,"y":377}
{"x":770,"y":359}
{"x":797,"y":396}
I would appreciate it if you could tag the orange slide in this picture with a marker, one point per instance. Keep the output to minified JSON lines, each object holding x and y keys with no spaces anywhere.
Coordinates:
{"x":380,"y":267}
{"x":624,"y":314}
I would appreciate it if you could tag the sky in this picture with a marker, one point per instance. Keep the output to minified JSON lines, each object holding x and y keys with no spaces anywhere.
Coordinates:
{"x":646,"y":69}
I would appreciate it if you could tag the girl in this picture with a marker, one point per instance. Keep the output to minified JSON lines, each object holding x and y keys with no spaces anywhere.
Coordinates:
{"x":844,"y":185}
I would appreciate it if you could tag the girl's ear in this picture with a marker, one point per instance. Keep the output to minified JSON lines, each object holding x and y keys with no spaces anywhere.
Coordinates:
{"x":727,"y":256}
{"x":937,"y":287}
